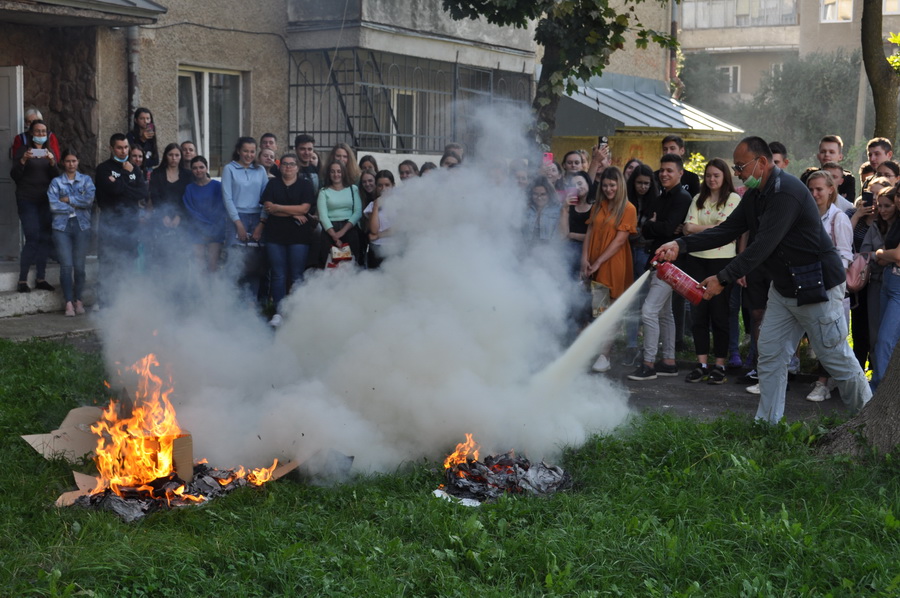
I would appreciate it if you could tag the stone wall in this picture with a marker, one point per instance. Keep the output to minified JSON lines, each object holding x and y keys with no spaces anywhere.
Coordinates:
{"x":60,"y":79}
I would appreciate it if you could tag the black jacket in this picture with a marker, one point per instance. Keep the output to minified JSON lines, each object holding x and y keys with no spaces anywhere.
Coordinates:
{"x":670,"y":207}
{"x":785,"y":230}
{"x":123,"y":193}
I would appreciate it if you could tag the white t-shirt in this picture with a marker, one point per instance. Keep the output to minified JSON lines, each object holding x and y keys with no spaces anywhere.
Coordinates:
{"x":384,"y":223}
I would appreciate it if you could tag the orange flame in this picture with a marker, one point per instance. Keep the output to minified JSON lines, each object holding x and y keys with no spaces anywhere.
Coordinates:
{"x":132,"y":452}
{"x":462,"y":453}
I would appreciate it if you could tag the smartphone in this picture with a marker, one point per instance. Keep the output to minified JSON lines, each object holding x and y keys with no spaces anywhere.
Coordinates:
{"x":602,"y":140}
{"x":868,"y":198}
{"x":38,"y":153}
{"x":548,"y":157}
{"x":151,"y":127}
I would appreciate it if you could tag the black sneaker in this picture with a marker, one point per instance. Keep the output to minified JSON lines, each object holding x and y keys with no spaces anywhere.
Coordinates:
{"x":664,"y":369}
{"x":698,"y":374}
{"x":44,"y":286}
{"x":644,"y":372}
{"x":716,"y":375}
{"x":750,"y":377}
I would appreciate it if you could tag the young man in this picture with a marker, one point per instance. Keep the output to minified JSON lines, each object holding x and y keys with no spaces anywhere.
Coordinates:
{"x":305,"y":146}
{"x":786,"y":234}
{"x":269,"y":141}
{"x":831,"y":149}
{"x":669,"y":211}
{"x":779,"y":154}
{"x":879,"y":150}
{"x":121,"y":193}
{"x":690,"y":182}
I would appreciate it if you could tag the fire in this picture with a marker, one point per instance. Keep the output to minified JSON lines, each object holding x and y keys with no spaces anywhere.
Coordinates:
{"x":135,"y":451}
{"x":464,"y":451}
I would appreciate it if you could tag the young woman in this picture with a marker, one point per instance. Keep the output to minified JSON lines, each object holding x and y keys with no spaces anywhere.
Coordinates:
{"x":205,"y":216}
{"x":887,"y":215}
{"x":541,"y":224}
{"x":642,"y":190}
{"x":342,"y":153}
{"x":889,"y":170}
{"x":711,"y":207}
{"x":167,"y":185}
{"x":450,"y":159}
{"x":340,"y":207}
{"x":188,"y":153}
{"x":573,"y":162}
{"x":408,"y":169}
{"x":606,"y":257}
{"x":629,"y":168}
{"x":573,"y":221}
{"x":368,"y":163}
{"x":71,"y":198}
{"x":266,"y":159}
{"x":34,"y":167}
{"x":889,"y":328}
{"x":143,"y":135}
{"x":287,"y":202}
{"x":837,"y":225}
{"x":379,"y":219}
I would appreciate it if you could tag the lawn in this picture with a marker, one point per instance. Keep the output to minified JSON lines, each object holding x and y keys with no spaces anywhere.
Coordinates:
{"x":667,"y":506}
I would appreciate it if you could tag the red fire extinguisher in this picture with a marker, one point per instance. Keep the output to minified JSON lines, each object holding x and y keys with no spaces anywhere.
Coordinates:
{"x":680,"y":282}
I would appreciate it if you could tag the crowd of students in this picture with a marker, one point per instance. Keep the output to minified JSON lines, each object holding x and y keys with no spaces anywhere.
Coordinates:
{"x":581,"y":202}
{"x":284,"y":214}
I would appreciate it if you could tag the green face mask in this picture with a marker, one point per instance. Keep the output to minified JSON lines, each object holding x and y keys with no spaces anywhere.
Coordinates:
{"x":751,"y":182}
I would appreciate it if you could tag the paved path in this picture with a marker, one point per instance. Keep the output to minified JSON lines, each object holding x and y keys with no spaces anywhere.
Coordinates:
{"x":666,"y":394}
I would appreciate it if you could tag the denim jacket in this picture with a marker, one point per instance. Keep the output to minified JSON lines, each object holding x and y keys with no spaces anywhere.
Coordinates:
{"x":81,"y":198}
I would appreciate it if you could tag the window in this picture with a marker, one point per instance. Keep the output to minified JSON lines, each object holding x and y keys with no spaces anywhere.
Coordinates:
{"x":837,"y":11}
{"x":717,"y":14}
{"x":731,"y":78}
{"x":891,"y":7}
{"x":209,"y":112}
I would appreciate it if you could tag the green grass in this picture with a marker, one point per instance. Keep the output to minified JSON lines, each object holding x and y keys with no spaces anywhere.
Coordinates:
{"x":666,"y":507}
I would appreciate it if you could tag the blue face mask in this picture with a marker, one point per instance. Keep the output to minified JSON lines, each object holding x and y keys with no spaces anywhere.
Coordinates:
{"x":39,"y":140}
{"x":120,"y":160}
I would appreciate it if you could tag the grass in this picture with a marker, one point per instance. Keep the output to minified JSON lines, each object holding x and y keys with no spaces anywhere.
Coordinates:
{"x":665,"y":507}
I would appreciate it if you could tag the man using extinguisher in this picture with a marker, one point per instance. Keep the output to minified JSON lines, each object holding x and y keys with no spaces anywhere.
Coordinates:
{"x":788,"y":242}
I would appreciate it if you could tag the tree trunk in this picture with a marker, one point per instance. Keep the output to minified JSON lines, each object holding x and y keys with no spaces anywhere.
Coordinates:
{"x":546,"y":98}
{"x":877,"y":426}
{"x":883,"y":79}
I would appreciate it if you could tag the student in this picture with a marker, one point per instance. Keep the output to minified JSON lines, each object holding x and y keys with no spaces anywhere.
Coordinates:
{"x":831,"y":149}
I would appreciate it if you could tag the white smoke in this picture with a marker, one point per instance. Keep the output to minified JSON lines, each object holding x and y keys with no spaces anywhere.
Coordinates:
{"x":390,"y":365}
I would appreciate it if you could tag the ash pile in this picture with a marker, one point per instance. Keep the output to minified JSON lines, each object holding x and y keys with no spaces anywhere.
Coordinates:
{"x":503,"y":474}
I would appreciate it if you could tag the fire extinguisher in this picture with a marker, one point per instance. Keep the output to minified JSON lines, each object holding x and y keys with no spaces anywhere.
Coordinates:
{"x":680,"y":282}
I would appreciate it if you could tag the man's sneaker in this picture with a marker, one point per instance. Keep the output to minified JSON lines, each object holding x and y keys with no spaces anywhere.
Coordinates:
{"x":643,"y":372}
{"x":698,"y":374}
{"x":750,"y":376}
{"x":735,"y":361}
{"x":276,"y":321}
{"x":664,"y":369}
{"x":632,"y":357}
{"x":819,"y":393}
{"x":754,"y":390}
{"x":601,"y":365}
{"x":716,"y":375}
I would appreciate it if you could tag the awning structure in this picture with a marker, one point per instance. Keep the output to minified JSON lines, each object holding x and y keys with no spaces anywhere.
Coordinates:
{"x":80,"y":13}
{"x":616,"y":112}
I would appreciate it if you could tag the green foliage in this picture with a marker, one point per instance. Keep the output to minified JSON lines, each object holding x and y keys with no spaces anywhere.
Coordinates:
{"x":696,"y":164}
{"x":894,"y":59}
{"x":666,"y":506}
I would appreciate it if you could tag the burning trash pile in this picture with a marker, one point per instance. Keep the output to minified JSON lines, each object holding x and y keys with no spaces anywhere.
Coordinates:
{"x":469,"y":479}
{"x":144,"y":459}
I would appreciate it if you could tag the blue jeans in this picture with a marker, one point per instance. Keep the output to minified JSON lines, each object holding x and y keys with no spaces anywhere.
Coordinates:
{"x":71,"y":248}
{"x":35,"y":217}
{"x":889,"y":329}
{"x":824,"y":324}
{"x":287,"y":263}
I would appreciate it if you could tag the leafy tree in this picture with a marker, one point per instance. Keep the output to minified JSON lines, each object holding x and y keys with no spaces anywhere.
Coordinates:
{"x":578,"y":37}
{"x":882,"y":74}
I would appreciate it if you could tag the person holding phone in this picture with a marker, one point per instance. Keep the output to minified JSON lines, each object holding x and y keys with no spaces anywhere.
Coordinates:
{"x":143,"y":135}
{"x":34,"y":167}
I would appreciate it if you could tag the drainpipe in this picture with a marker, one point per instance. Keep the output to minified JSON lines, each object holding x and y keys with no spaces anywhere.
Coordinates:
{"x":673,"y":57}
{"x":134,"y":69}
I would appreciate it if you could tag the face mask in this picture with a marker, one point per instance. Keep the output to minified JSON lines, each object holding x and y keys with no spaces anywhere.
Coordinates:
{"x":40,"y":140}
{"x":752,"y":182}
{"x":120,"y":160}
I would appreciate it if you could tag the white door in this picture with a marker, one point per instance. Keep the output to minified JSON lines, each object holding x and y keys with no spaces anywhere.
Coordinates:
{"x":11,"y":119}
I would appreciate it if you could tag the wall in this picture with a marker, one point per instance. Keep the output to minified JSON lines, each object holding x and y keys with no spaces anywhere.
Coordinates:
{"x":59,"y":79}
{"x":653,"y":62}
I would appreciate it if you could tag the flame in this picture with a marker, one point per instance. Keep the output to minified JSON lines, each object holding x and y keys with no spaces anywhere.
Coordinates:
{"x":132,"y":452}
{"x":462,"y":453}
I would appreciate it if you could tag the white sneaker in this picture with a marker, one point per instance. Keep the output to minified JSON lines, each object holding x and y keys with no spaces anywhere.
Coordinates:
{"x":754,"y":390}
{"x":601,"y":365}
{"x":276,"y":321}
{"x":819,"y":393}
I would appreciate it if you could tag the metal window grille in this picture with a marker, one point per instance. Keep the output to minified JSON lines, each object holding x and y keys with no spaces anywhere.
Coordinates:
{"x":382,"y":102}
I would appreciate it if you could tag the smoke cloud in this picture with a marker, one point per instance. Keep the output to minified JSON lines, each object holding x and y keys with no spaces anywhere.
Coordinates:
{"x":390,"y":365}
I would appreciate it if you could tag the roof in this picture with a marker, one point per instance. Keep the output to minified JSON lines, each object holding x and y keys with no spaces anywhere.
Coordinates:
{"x":63,"y":13}
{"x":652,"y":113}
